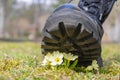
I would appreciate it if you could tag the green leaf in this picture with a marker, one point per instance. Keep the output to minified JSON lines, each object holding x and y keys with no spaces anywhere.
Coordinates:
{"x":74,"y":64}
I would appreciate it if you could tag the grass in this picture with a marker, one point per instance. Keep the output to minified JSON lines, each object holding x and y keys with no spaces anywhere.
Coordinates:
{"x":110,"y":53}
{"x":22,"y":61}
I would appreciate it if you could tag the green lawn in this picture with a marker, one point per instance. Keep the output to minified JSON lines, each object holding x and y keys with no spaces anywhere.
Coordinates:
{"x":111,"y":52}
{"x":22,"y":61}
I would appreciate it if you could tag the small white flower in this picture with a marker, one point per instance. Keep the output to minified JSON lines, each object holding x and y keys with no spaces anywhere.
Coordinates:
{"x":70,"y":56}
{"x":53,"y":59}
{"x":45,"y":62}
{"x":57,"y":58}
{"x":95,"y":65}
{"x":57,"y":61}
{"x":47,"y":59}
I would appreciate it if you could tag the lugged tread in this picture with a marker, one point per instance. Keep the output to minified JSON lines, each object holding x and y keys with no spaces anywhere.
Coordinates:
{"x":50,"y":47}
{"x":73,"y":31}
{"x":86,"y":44}
{"x":92,"y":53}
{"x":55,"y":34}
{"x":90,"y":57}
{"x":83,"y":34}
{"x":91,"y":47}
{"x":62,"y":29}
{"x":70,"y":31}
{"x":90,"y":44}
{"x":49,"y":40}
{"x":76,"y":40}
{"x":88,"y":36}
{"x":77,"y":30}
{"x":86,"y":41}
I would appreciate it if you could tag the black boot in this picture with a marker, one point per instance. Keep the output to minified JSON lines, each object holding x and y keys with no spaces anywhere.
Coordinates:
{"x":100,"y":9}
{"x":71,"y":29}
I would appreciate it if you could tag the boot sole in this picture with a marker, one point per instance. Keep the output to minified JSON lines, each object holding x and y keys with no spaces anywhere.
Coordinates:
{"x":75,"y":39}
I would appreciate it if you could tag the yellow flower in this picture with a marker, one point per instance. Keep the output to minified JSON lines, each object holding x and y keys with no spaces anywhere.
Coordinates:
{"x":70,"y":56}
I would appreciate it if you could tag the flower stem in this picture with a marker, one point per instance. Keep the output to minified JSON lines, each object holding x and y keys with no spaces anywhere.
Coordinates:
{"x":68,"y":63}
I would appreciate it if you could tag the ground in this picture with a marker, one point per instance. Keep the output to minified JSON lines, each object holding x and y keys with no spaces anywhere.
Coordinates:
{"x":22,"y":61}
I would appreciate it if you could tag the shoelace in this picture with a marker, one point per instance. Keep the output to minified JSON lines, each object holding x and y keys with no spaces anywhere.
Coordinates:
{"x":102,"y":7}
{"x":99,"y":8}
{"x":94,"y":7}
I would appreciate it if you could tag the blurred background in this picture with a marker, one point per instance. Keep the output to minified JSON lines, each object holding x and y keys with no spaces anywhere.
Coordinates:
{"x":24,"y":19}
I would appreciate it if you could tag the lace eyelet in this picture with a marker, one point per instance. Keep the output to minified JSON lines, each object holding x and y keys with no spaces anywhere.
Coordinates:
{"x":86,"y":4}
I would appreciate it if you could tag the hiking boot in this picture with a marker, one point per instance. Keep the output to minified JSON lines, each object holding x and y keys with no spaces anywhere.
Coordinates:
{"x":99,"y":9}
{"x":70,"y":29}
